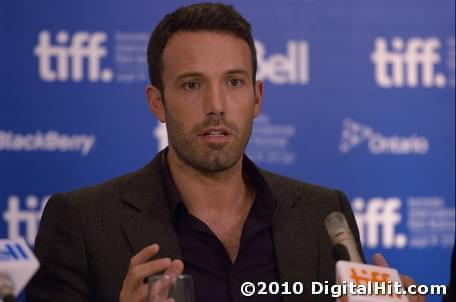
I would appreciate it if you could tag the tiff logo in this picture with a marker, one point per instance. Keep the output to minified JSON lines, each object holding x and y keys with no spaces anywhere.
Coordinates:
{"x":289,"y":68}
{"x":28,"y":218}
{"x":70,"y":55}
{"x":408,"y":63}
{"x":12,"y":252}
{"x":377,"y":219}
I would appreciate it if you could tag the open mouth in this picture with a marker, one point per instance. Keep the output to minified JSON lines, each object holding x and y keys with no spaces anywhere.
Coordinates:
{"x":215,"y":133}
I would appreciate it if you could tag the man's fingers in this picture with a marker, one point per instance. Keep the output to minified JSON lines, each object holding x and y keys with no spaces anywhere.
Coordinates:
{"x":379,"y":260}
{"x":136,"y":274}
{"x":407,"y":281}
{"x":175,"y":269}
{"x":143,"y":255}
{"x":140,"y":294}
{"x":140,"y":267}
{"x":144,"y":270}
{"x":137,"y":295}
{"x":161,"y":286}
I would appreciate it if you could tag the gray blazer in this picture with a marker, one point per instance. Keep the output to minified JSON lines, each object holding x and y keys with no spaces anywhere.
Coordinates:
{"x":87,"y":237}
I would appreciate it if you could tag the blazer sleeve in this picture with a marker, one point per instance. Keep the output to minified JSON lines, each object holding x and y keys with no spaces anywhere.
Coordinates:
{"x":348,"y":213}
{"x":59,"y":246}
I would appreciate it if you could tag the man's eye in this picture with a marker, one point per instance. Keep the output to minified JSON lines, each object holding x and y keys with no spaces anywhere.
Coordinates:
{"x":235,"y":82}
{"x":191,"y":85}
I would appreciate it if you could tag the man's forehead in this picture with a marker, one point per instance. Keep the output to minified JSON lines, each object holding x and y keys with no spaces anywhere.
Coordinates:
{"x":203,"y":32}
{"x":199,"y":50}
{"x":200,"y":38}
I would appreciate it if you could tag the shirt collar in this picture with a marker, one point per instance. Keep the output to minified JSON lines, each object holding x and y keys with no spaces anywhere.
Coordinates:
{"x":262,"y":208}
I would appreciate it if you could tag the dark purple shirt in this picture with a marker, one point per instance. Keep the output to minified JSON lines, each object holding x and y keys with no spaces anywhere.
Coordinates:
{"x":215,"y":277}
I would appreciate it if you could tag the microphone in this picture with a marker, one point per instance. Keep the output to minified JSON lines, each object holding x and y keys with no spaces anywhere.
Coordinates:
{"x":342,"y":237}
{"x":17,"y":265}
{"x":340,"y":253}
{"x":362,"y":282}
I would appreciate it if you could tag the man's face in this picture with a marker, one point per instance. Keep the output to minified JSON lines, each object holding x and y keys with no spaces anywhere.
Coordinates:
{"x":209,"y":98}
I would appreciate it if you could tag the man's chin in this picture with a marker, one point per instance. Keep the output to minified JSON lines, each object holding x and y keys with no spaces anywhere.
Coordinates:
{"x":217,"y":146}
{"x":215,"y":161}
{"x":210,"y":157}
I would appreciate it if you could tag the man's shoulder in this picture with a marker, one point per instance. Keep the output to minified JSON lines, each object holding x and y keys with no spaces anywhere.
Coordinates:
{"x":297,"y":199}
{"x":286,"y":183}
{"x":111,"y":187}
{"x":109,"y":191}
{"x":297,"y":194}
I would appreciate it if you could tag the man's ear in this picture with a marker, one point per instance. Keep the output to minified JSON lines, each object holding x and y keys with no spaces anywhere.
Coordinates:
{"x":155,"y":102}
{"x":258,"y":98}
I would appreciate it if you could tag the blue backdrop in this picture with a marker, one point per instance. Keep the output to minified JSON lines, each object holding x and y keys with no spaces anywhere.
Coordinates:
{"x":359,"y":96}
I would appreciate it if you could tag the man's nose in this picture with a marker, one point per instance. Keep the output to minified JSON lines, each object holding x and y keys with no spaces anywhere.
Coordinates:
{"x":215,"y":101}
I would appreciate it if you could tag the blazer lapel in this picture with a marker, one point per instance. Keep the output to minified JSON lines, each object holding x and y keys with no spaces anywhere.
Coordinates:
{"x":153,"y":223}
{"x":295,"y":237}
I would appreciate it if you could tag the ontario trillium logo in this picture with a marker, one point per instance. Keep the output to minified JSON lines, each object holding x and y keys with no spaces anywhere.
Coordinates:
{"x":354,"y":134}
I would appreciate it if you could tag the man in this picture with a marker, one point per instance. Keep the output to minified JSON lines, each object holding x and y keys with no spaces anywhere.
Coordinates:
{"x":201,"y":206}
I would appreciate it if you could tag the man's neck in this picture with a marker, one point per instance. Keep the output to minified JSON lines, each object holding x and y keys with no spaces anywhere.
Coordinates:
{"x":210,"y":194}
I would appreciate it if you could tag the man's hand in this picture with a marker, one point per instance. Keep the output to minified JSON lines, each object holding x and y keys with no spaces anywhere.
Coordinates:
{"x":379,"y":260}
{"x":133,"y":288}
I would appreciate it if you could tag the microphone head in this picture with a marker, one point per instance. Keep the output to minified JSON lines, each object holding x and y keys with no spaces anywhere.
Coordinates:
{"x":336,"y":224}
{"x":341,"y":234}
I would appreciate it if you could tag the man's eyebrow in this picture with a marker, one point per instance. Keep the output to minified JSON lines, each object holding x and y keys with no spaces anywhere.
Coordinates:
{"x":238,"y":71}
{"x":192,"y":74}
{"x":189,"y":74}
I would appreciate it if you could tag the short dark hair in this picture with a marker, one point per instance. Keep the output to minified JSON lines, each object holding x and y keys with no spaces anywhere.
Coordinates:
{"x":216,"y":17}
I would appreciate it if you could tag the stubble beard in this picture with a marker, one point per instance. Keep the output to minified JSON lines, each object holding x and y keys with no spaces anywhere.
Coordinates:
{"x":208,"y":157}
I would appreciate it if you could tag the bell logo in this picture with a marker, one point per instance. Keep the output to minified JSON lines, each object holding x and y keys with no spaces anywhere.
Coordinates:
{"x":409,"y":63}
{"x":66,"y":60}
{"x":378,"y":217}
{"x":292,"y":68}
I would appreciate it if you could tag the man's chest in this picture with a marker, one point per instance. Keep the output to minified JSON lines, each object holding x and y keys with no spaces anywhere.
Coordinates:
{"x":229,"y":235}
{"x":208,"y":257}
